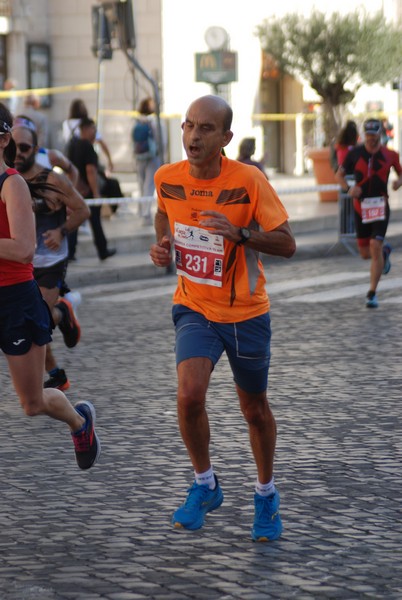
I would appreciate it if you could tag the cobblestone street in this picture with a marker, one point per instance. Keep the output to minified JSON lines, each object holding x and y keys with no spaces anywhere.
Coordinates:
{"x":335,"y":389}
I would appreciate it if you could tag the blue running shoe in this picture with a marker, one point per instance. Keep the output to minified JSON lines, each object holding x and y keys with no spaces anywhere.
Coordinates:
{"x":199,"y":502}
{"x":386,"y":251}
{"x":267,"y":522}
{"x":371,"y":300}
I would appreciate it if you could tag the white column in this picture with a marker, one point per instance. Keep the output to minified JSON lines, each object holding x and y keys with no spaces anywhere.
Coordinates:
{"x":299,"y":162}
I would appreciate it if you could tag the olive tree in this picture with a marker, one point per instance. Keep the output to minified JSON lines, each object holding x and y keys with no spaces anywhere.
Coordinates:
{"x":335,"y":54}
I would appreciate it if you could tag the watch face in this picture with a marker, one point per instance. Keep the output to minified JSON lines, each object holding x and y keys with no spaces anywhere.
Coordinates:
{"x":216,"y":38}
{"x":245,"y":233}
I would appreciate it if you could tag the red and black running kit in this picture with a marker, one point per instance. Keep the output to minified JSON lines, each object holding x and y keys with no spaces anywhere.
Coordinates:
{"x":371,"y":173}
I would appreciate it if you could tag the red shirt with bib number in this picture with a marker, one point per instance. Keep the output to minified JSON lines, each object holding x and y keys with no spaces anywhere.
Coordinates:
{"x":371,"y":173}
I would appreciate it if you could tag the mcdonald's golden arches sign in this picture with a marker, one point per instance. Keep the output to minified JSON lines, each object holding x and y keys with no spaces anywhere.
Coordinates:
{"x":216,"y":67}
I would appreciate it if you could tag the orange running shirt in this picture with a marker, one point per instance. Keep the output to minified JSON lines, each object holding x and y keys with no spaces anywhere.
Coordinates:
{"x":224,"y":282}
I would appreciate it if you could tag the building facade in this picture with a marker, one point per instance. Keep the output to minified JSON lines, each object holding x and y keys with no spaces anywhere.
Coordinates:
{"x":49,"y":43}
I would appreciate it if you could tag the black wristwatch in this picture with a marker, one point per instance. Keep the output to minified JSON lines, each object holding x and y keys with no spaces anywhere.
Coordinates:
{"x":245,"y":236}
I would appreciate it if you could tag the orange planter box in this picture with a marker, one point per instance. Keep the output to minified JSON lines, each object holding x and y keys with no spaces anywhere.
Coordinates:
{"x":323,"y":172}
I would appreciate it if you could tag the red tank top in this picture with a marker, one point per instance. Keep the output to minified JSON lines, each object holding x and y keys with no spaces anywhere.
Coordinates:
{"x":11,"y":271}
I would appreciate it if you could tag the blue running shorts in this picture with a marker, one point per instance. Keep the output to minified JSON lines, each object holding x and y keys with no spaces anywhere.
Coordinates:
{"x":25,"y":318}
{"x":247,"y":345}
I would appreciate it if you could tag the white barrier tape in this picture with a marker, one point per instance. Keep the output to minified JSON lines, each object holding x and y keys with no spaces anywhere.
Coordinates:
{"x":331,"y":187}
{"x":129,"y":200}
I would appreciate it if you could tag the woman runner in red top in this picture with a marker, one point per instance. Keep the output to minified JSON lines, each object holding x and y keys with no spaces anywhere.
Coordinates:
{"x":25,"y":322}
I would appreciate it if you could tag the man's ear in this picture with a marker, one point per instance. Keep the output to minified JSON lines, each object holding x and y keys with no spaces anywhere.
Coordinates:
{"x":227,"y":137}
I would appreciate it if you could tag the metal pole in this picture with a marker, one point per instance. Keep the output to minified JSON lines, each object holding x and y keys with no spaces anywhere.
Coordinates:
{"x":155,"y":88}
{"x":100,"y":94}
{"x":136,"y":64}
{"x":104,"y":52}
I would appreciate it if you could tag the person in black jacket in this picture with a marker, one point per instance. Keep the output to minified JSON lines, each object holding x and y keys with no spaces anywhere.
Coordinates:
{"x":82,"y":154}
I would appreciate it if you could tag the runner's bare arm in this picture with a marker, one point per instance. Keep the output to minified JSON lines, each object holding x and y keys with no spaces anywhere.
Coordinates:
{"x":354,"y":191}
{"x":278,"y":242}
{"x":340,"y":178}
{"x":20,"y":246}
{"x":57,"y":159}
{"x":160,"y":252}
{"x":77,"y":209}
{"x":397,"y":183}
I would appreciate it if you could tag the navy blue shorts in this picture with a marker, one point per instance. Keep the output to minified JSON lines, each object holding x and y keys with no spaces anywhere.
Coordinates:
{"x":247,"y":345}
{"x":25,"y":318}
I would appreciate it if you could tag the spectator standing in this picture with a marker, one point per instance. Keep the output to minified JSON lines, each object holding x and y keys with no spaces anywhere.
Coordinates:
{"x":220,"y":214}
{"x":25,"y":323}
{"x":110,"y":186}
{"x":146,"y":152}
{"x":71,"y":128}
{"x":247,"y":151}
{"x":347,"y":139}
{"x":387,"y":134}
{"x":371,"y":164}
{"x":82,"y":154}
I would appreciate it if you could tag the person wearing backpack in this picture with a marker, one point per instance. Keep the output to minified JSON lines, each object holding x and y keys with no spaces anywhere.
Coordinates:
{"x":144,"y":138}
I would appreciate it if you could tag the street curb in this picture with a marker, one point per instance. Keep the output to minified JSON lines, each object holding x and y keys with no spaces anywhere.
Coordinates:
{"x":125,"y":266}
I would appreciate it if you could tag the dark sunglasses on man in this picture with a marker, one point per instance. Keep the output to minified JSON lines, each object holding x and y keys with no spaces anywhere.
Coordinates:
{"x":24,"y":147}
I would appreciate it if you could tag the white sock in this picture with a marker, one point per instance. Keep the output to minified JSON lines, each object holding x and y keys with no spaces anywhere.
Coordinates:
{"x":206,"y":478}
{"x":265,"y":489}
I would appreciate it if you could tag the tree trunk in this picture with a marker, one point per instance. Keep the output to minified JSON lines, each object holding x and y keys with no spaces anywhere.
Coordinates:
{"x":331,"y":122}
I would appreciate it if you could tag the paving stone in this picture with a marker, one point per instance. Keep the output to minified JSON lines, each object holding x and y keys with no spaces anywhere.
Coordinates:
{"x":335,"y":389}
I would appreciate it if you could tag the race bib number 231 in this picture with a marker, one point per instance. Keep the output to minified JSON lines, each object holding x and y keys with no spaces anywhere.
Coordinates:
{"x":199,"y":254}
